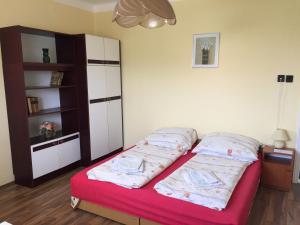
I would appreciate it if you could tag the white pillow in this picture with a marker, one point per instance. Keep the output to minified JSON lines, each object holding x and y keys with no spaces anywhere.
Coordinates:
{"x":189,"y":133}
{"x":229,"y":145}
{"x":171,"y":141}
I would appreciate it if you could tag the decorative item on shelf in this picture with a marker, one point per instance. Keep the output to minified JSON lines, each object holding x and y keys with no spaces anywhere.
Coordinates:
{"x":56,"y":78}
{"x":47,"y":129}
{"x":280,"y":136}
{"x":46,"y":58}
{"x":32,"y":104}
{"x":149,"y":14}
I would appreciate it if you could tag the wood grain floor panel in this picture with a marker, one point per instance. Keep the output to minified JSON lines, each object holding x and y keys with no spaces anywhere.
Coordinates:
{"x":49,"y":203}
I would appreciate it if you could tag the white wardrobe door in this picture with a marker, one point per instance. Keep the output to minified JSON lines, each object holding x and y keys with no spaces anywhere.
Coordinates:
{"x":98,"y":130}
{"x":112,"y":51}
{"x":96,"y":78}
{"x":45,"y":161}
{"x":113,"y":81}
{"x":114,"y":114}
{"x":69,"y":152}
{"x":94,"y":47}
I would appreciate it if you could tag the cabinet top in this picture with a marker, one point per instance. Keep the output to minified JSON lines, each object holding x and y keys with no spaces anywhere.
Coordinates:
{"x":275,"y":151}
{"x":35,"y":31}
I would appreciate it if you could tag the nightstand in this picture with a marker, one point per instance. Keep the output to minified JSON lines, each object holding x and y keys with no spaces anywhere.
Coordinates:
{"x":277,"y":167}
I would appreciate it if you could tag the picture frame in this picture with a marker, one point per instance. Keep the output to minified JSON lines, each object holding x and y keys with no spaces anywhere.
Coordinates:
{"x":206,"y":50}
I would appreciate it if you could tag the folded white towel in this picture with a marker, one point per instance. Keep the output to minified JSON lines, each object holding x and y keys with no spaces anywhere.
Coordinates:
{"x":128,"y":164}
{"x":201,"y":178}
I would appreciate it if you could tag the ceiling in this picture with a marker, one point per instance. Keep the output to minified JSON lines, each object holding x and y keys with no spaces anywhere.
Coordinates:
{"x":92,"y":5}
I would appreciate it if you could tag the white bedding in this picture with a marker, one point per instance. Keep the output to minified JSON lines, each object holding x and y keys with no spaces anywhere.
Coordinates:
{"x":228,"y":171}
{"x":156,"y":160}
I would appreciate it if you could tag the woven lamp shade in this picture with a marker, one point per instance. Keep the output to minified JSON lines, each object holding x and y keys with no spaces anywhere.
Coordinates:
{"x":280,"y":135}
{"x":147,"y":13}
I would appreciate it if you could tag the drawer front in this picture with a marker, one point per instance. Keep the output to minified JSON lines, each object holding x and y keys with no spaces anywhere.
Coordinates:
{"x":55,"y":155}
{"x":277,"y":175}
{"x":45,"y":161}
{"x":69,"y":152}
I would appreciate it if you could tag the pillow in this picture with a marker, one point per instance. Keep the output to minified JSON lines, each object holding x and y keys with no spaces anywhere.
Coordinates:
{"x":189,"y":133}
{"x":171,"y":141}
{"x":229,"y":145}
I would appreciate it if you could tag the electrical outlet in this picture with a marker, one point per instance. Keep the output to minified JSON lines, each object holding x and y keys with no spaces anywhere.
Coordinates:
{"x":289,"y":78}
{"x":280,"y":78}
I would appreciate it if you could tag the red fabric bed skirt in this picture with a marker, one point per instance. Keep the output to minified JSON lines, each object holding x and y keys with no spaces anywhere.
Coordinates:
{"x":147,"y":203}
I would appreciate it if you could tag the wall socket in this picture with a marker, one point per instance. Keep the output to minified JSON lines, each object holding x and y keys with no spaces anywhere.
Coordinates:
{"x":289,"y":78}
{"x":280,"y":78}
{"x":285,"y":78}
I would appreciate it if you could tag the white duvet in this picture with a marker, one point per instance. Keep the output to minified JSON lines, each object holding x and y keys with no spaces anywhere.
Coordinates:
{"x":156,"y":160}
{"x":228,"y":171}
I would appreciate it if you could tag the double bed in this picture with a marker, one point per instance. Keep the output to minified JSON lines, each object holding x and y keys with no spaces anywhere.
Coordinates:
{"x":144,"y":206}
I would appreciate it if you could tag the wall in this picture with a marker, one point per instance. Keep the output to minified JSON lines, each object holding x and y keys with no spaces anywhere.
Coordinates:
{"x":259,"y":39}
{"x":44,"y":14}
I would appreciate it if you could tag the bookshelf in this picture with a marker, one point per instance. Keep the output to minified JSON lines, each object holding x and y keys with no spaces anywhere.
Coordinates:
{"x":30,"y":66}
{"x":48,"y":87}
{"x":25,"y":75}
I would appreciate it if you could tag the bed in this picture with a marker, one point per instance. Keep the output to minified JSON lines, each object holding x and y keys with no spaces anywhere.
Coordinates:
{"x":144,"y":206}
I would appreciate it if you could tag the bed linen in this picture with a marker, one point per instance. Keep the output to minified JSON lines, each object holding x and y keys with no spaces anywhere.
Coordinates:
{"x":227,"y":171}
{"x":155,"y":160}
{"x":146,"y":203}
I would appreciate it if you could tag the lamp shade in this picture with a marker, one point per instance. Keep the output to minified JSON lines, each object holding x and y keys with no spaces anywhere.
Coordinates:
{"x":280,"y":135}
{"x":147,"y":13}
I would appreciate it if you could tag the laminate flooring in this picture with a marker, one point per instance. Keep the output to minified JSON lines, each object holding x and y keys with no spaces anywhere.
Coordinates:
{"x":49,"y":203}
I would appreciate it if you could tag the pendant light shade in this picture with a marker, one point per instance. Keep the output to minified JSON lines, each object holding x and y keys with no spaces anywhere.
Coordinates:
{"x":147,"y":13}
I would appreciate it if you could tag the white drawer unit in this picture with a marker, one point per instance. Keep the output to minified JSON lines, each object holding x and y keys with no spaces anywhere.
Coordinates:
{"x":55,"y":154}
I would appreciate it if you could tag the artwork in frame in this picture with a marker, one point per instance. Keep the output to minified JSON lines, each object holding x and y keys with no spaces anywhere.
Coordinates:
{"x":206,"y":50}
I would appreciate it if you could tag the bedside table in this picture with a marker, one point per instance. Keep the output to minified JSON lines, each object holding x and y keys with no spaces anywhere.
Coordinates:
{"x":277,"y":168}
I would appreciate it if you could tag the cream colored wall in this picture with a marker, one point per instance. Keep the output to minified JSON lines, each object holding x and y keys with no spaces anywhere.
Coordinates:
{"x":259,"y":39}
{"x":44,"y":14}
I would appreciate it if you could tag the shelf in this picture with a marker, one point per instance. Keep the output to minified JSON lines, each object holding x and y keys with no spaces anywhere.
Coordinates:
{"x":50,"y":111}
{"x":41,"y":139}
{"x":49,"y":87}
{"x":30,"y":66}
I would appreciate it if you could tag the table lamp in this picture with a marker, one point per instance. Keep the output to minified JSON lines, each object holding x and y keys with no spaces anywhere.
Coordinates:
{"x":280,"y":136}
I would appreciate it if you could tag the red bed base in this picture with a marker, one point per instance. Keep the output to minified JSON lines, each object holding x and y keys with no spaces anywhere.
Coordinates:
{"x":148,"y":204}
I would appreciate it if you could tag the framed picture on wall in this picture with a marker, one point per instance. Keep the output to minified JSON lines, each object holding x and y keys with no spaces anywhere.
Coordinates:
{"x":206,"y":50}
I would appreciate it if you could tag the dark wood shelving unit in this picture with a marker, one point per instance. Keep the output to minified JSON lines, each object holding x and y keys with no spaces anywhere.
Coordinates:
{"x":21,"y":60}
{"x":31,"y":66}
{"x":49,"y":87}
{"x":51,"y":111}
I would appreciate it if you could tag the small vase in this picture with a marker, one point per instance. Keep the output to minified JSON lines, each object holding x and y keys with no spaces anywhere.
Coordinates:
{"x":46,"y":58}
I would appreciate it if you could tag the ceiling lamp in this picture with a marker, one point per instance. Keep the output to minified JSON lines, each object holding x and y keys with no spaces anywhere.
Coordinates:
{"x":147,"y":13}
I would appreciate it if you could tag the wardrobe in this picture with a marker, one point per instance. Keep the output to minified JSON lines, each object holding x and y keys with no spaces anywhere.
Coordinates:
{"x":101,"y":103}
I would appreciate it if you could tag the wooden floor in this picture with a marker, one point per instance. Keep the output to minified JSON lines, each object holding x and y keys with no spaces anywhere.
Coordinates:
{"x":49,"y":204}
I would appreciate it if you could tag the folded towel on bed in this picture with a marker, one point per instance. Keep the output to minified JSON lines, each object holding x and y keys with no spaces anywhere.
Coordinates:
{"x":128,"y":164}
{"x":201,"y":178}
